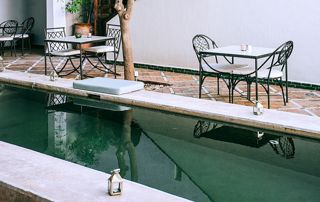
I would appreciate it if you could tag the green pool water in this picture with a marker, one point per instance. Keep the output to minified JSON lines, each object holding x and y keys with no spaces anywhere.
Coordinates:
{"x":196,"y":159}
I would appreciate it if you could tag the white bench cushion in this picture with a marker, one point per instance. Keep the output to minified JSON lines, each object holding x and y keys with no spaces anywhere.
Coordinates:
{"x":6,"y":38}
{"x":108,"y":86}
{"x":100,"y":49}
{"x":65,"y":53}
{"x":225,"y":68}
{"x":20,"y":36}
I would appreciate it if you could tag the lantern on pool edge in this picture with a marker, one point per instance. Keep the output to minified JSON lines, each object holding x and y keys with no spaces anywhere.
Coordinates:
{"x":115,"y":183}
{"x":257,"y":108}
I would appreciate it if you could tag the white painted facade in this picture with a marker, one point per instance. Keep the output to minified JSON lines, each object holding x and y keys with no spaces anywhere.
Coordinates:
{"x":21,"y":9}
{"x":162,"y":30}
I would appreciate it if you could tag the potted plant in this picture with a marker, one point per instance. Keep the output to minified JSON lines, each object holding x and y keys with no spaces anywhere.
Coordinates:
{"x":83,"y":8}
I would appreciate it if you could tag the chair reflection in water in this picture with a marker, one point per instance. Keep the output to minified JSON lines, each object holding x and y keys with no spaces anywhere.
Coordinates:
{"x":282,"y":145}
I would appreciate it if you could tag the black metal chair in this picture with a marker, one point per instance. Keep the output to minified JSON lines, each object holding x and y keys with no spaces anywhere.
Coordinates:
{"x":61,"y":50}
{"x":273,"y":69}
{"x":26,"y":27}
{"x":9,"y":30}
{"x":100,"y":52}
{"x":201,"y":43}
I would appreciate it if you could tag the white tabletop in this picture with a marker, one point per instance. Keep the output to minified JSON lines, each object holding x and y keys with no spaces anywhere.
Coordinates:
{"x":234,"y":51}
{"x":82,"y":40}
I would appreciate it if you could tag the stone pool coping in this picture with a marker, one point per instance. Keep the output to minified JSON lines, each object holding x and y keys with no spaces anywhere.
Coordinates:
{"x":38,"y":177}
{"x":284,"y":122}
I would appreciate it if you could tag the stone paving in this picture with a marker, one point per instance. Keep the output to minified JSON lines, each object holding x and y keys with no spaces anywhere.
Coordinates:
{"x":300,"y":100}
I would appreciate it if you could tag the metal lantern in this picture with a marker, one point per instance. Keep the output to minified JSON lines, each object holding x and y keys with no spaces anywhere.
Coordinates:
{"x":257,"y":108}
{"x":115,"y":183}
{"x":1,"y":65}
{"x":53,"y":76}
{"x":136,"y":74}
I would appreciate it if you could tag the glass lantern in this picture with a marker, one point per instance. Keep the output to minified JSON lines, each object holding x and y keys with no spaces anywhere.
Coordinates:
{"x":257,"y":108}
{"x":1,"y":64}
{"x":53,"y":76}
{"x":115,"y":183}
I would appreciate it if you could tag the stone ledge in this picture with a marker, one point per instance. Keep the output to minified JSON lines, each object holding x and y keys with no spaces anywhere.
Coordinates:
{"x":31,"y":176}
{"x":284,"y":122}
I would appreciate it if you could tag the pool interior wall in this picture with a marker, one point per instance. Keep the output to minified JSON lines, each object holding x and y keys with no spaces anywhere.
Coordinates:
{"x":188,"y":157}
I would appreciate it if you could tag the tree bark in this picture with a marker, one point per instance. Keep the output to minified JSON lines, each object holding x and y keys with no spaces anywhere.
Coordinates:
{"x":125,"y":14}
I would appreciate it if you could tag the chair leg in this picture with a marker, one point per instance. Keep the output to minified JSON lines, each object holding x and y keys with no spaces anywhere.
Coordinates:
{"x":268,"y":94}
{"x":218,"y":83}
{"x":248,"y":90}
{"x":29,"y":41}
{"x":22,"y":46}
{"x":11,"y":44}
{"x":200,"y":83}
{"x":229,"y":88}
{"x":282,"y":90}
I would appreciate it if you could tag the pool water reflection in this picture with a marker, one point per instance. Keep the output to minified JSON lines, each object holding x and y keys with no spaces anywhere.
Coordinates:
{"x":196,"y":159}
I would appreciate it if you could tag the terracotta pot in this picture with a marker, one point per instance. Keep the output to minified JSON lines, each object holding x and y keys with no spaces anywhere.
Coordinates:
{"x":83,"y":29}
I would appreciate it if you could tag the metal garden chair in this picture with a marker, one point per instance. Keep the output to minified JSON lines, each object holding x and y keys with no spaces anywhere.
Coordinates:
{"x":61,"y":50}
{"x":100,"y":52}
{"x":272,"y":70}
{"x":208,"y":67}
{"x":9,"y":30}
{"x":26,"y":27}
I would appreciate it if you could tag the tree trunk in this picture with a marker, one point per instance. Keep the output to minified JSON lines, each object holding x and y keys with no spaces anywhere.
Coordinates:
{"x":125,"y":13}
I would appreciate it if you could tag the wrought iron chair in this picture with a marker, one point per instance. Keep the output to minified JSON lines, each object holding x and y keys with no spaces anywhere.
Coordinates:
{"x":272,"y":69}
{"x":100,"y":52}
{"x":9,"y":30}
{"x":26,"y":27}
{"x":201,"y":43}
{"x":61,"y":50}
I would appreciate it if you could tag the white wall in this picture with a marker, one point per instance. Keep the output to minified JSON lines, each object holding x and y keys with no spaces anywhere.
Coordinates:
{"x":21,"y":9}
{"x":56,"y":13}
{"x":162,"y":30}
{"x":12,"y":10}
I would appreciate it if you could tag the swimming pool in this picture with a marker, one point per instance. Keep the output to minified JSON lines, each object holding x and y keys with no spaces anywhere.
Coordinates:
{"x":197,"y":159}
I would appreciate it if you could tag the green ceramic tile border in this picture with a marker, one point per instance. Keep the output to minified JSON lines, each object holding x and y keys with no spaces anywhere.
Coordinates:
{"x":195,"y":72}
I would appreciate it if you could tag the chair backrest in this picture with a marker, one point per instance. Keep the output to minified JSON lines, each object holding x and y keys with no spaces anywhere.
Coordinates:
{"x":114,"y":31}
{"x":54,"y":33}
{"x":9,"y":27}
{"x":27,"y":25}
{"x":202,"y":42}
{"x":282,"y":53}
{"x":278,"y":58}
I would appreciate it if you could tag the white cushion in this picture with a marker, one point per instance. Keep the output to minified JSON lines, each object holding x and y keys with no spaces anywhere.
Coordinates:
{"x":108,"y":86}
{"x":100,"y":49}
{"x":68,"y":52}
{"x":225,"y":68}
{"x":262,"y":73}
{"x":19,"y":36}
{"x":275,"y":73}
{"x":6,"y":38}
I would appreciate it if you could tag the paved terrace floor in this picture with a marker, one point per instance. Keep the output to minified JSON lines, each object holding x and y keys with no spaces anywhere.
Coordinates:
{"x":300,"y":100}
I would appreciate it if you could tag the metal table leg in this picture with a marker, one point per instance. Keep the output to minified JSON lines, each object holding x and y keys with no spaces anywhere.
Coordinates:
{"x":45,"y":58}
{"x":256,"y":80}
{"x":114,"y":58}
{"x":80,"y":62}
{"x":287,"y":94}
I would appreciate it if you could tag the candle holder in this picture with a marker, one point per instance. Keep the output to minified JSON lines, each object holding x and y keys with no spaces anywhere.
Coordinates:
{"x":257,"y":108}
{"x":1,"y":65}
{"x":115,"y":183}
{"x":53,"y":76}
